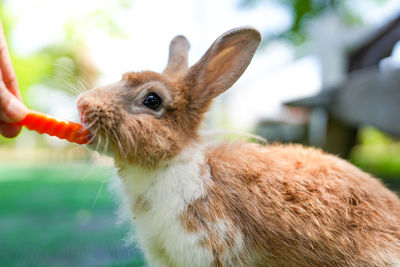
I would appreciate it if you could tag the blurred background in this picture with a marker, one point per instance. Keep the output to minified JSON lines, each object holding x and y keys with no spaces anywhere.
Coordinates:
{"x":327,"y":74}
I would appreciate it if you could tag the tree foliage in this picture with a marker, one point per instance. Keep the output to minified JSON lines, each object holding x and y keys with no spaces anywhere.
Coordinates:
{"x":64,"y":64}
{"x":302,"y":11}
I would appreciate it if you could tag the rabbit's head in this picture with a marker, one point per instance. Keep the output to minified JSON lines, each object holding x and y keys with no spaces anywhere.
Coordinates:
{"x":148,"y":117}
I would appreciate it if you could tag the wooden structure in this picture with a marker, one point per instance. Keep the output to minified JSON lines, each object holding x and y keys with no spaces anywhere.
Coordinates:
{"x":367,"y":97}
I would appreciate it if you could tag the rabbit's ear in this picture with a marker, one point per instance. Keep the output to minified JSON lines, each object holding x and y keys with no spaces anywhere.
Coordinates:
{"x":178,"y":56}
{"x":222,"y":64}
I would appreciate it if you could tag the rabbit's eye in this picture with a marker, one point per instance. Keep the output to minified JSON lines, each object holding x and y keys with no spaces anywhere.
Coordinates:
{"x":152,"y":101}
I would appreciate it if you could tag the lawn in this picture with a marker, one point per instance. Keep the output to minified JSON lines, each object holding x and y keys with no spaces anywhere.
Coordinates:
{"x":60,"y":216}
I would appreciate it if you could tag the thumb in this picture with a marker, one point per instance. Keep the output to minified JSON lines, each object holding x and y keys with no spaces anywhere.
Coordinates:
{"x":11,"y":108}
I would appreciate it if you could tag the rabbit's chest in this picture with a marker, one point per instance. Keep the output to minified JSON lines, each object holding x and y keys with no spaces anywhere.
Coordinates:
{"x":166,"y":242}
{"x":156,"y":200}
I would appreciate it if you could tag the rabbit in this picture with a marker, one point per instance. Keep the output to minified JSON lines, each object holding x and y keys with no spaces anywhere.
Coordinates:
{"x":196,"y":203}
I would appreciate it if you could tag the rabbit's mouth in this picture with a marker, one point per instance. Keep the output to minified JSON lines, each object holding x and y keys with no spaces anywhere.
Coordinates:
{"x":99,"y":137}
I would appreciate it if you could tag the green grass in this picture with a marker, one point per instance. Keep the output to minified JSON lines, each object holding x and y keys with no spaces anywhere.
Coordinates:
{"x":60,"y":216}
{"x":379,"y":155}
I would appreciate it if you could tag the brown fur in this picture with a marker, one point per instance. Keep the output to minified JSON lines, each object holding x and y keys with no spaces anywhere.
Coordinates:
{"x":297,"y":206}
{"x":264,"y":205}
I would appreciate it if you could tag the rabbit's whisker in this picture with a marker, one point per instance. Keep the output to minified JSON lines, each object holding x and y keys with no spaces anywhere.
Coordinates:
{"x":121,"y":148}
{"x":98,"y":143}
{"x":94,"y":135}
{"x":99,"y":191}
{"x":105,"y":147}
{"x":76,"y":82}
{"x":90,"y":125}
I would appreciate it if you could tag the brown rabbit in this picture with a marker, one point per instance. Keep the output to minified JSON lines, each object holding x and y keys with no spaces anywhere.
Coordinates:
{"x":231,"y":204}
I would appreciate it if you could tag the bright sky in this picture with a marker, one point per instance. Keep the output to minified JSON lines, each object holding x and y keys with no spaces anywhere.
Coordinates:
{"x":273,"y":76}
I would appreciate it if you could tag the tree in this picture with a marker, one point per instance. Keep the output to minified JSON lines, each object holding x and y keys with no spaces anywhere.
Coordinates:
{"x":302,"y":11}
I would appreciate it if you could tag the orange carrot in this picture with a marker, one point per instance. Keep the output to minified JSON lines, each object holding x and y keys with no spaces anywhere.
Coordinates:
{"x":43,"y":123}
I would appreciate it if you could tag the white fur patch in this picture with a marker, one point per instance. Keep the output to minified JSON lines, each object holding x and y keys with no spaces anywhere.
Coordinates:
{"x":226,"y":232}
{"x":167,"y":190}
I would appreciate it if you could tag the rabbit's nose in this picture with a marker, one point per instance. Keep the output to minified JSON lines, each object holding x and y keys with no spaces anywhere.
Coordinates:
{"x":89,"y":101}
{"x":82,"y":103}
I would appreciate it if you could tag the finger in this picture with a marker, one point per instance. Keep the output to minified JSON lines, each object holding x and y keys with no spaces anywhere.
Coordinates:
{"x":9,"y":130}
{"x":7,"y":70}
{"x":11,"y":108}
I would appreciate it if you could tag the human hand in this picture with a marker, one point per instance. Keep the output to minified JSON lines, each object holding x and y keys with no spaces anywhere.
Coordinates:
{"x":11,"y":107}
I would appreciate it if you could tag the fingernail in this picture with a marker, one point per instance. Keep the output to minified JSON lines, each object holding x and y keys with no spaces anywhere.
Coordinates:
{"x":16,"y":110}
